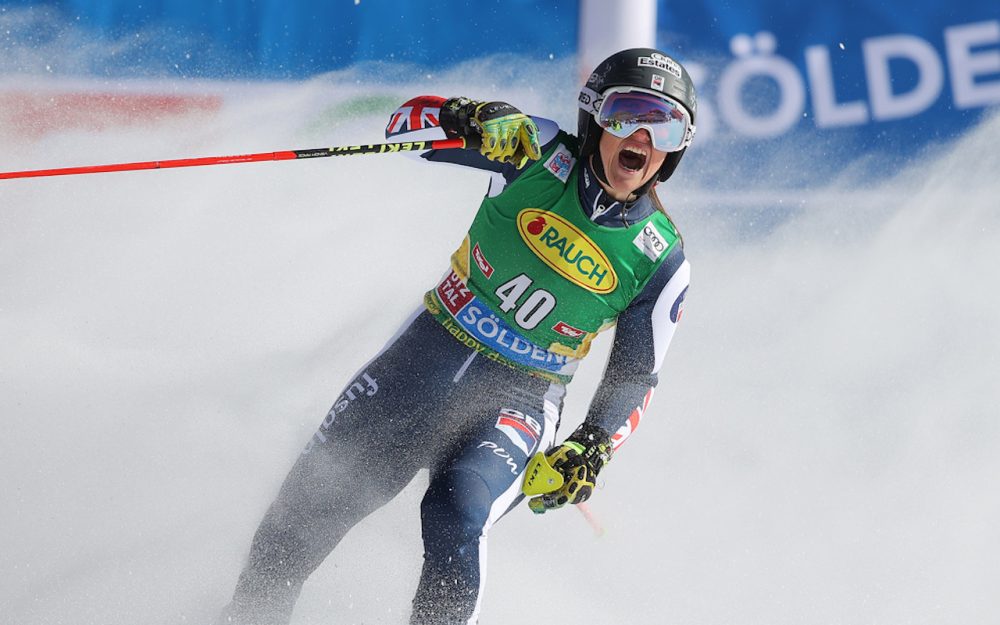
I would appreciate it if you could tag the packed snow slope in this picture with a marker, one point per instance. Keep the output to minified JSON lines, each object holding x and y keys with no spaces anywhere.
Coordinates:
{"x":822,"y":448}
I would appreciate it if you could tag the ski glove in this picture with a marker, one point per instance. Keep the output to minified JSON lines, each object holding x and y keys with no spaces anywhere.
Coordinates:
{"x":577,"y":461}
{"x":500,"y":131}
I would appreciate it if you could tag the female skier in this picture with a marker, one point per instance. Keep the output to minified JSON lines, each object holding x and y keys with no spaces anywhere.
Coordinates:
{"x":569,"y":240}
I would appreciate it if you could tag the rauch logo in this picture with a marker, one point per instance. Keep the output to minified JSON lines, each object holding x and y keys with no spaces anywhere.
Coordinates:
{"x":566,"y":250}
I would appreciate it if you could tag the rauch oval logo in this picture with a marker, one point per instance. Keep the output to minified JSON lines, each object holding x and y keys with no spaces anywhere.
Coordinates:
{"x":566,"y":250}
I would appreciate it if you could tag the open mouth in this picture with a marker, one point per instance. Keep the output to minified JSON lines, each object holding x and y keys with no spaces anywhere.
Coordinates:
{"x":632,"y":159}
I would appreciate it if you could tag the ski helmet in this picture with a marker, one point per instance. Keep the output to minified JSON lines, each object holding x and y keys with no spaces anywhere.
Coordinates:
{"x":643,"y":68}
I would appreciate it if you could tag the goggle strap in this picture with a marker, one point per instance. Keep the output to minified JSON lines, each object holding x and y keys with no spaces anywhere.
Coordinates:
{"x":593,"y":106}
{"x":689,"y":135}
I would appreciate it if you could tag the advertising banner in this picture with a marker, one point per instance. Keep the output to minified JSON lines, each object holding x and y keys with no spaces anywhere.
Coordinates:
{"x":893,"y":75}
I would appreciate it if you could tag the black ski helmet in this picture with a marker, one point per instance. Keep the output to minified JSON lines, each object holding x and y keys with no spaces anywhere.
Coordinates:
{"x":645,"y":68}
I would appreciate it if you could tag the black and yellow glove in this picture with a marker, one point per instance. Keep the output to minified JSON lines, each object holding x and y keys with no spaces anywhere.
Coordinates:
{"x":567,"y":473}
{"x":500,"y":131}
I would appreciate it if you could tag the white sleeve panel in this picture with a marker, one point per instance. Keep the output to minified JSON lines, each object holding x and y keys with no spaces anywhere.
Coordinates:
{"x":667,"y":312}
{"x":547,"y":129}
{"x":497,"y":184}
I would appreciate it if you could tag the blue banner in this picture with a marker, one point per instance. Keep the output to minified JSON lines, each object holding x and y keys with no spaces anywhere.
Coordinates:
{"x":296,"y":39}
{"x":889,"y":77}
{"x":893,"y":75}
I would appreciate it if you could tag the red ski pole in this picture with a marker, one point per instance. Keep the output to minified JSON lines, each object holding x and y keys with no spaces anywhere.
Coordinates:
{"x":286,"y":155}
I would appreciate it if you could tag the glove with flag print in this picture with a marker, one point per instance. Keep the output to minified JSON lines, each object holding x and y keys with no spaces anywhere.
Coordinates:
{"x":568,"y":473}
{"x":500,"y":131}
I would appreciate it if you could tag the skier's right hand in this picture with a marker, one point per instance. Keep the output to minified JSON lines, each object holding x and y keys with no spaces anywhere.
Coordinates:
{"x":578,"y":461}
{"x":500,"y":131}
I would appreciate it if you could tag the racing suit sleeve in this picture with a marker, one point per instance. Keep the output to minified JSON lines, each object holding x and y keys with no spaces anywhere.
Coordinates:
{"x":643,"y":333}
{"x":419,"y":119}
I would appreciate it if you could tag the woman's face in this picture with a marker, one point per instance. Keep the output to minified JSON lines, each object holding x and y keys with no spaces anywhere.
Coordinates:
{"x":629,"y":163}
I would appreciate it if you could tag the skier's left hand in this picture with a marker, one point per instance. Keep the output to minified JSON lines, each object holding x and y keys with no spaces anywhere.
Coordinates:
{"x":578,"y":461}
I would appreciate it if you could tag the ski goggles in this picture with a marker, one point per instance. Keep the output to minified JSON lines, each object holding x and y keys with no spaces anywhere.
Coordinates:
{"x":624,"y":110}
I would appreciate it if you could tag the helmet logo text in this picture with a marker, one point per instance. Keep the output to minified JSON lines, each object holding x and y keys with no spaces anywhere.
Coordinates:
{"x":661,"y":62}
